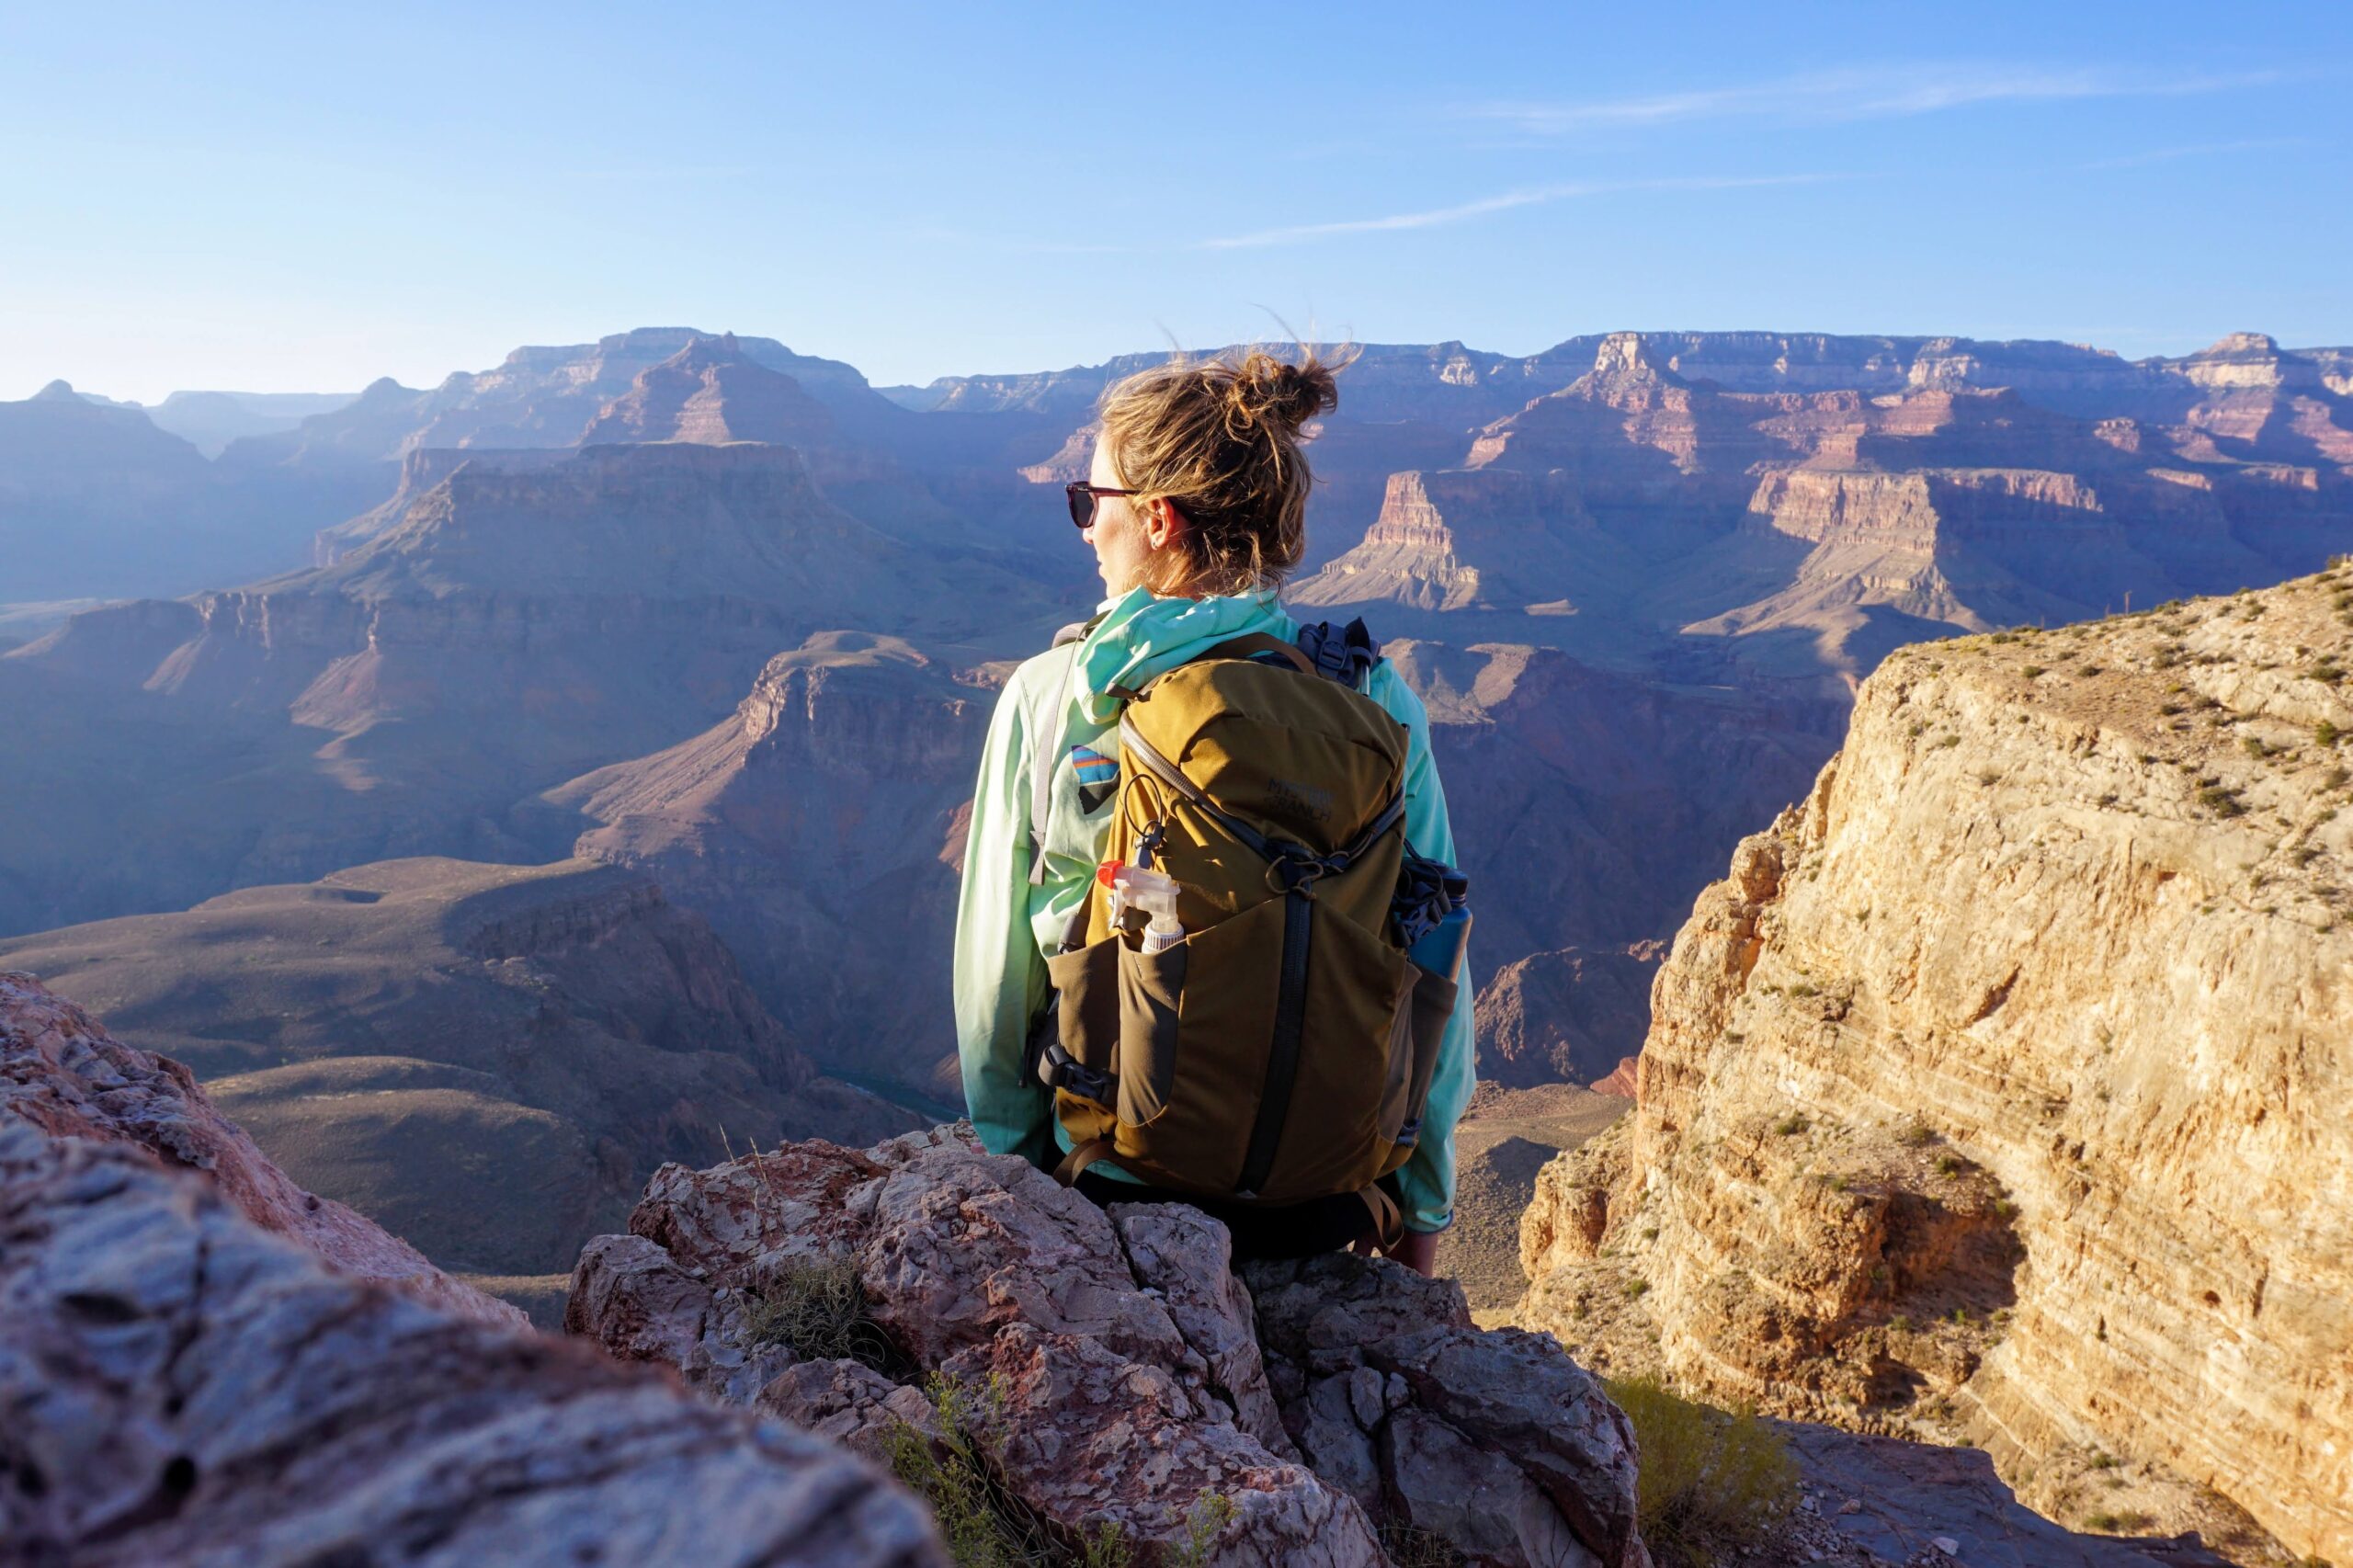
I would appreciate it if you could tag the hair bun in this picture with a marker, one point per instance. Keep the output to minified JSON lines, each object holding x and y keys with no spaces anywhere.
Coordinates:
{"x":1266,"y":390}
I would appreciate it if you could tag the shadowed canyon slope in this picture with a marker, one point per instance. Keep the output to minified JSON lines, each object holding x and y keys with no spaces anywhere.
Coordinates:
{"x":518,"y":626}
{"x":1999,"y":1091}
{"x":487,"y":1060}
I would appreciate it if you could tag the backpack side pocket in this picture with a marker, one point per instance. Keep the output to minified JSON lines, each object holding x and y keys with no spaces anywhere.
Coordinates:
{"x":1152,"y":986}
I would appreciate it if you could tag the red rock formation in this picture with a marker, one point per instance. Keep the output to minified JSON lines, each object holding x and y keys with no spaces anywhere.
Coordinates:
{"x":1136,"y":1374}
{"x":813,"y":829}
{"x":1566,"y":1016}
{"x":1624,"y":1079}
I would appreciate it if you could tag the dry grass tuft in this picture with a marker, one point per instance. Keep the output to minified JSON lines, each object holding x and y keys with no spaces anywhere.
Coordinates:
{"x":1712,"y":1481}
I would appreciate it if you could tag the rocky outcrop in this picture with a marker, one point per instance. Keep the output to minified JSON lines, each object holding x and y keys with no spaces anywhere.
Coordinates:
{"x":487,"y":1060}
{"x":178,"y":1385}
{"x":1119,"y":1373}
{"x":1565,"y":1016}
{"x":819,"y":829}
{"x":1995,"y":1092}
{"x":61,"y":1074}
{"x":1464,"y":541}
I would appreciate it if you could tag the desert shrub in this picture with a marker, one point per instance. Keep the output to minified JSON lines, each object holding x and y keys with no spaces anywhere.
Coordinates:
{"x":1792,"y":1125}
{"x":1410,"y":1547}
{"x":818,"y":1311}
{"x":1916,"y":1135}
{"x":1711,"y":1483}
{"x":2222,"y":803}
{"x":2033,"y":671}
{"x":983,"y":1525}
{"x":2325,"y":734}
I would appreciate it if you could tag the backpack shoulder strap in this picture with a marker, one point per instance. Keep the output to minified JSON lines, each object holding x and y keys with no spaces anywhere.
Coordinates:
{"x":1044,"y":748}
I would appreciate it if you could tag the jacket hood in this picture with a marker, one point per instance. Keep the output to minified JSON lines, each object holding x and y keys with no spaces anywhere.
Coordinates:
{"x":1140,"y":636}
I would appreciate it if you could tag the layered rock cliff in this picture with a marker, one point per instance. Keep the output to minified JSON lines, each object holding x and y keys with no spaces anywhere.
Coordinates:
{"x":1998,"y":1092}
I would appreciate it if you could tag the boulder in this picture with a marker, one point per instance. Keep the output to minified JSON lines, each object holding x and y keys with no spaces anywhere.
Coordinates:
{"x":1113,"y":1370}
{"x":179,"y":1385}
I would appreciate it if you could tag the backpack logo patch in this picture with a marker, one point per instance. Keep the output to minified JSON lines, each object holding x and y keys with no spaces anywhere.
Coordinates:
{"x":1309,"y":800}
{"x":1099,"y":776}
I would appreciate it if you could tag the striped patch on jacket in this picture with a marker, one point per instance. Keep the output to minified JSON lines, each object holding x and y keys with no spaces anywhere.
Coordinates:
{"x":1099,"y":776}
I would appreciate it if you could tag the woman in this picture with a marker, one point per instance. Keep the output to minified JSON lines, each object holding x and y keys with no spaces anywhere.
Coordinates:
{"x":1196,"y":508}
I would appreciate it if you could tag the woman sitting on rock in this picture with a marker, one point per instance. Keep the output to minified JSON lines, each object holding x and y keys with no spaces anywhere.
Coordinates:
{"x":1209,"y":937}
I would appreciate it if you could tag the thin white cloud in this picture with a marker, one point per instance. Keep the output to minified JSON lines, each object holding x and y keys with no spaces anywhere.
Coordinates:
{"x":1533,"y":196}
{"x":1861,"y":92}
{"x":2201,"y":150}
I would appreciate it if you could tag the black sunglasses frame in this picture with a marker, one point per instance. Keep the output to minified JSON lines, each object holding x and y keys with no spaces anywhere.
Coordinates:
{"x":1082,"y":497}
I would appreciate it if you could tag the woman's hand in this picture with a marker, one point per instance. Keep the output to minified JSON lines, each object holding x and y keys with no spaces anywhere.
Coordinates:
{"x":1417,"y":1250}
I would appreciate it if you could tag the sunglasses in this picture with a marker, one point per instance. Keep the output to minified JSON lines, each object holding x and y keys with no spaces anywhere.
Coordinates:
{"x":1082,"y":496}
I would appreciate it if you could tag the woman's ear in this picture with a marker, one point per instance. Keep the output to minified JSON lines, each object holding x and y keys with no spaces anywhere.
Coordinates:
{"x":1163,"y":522}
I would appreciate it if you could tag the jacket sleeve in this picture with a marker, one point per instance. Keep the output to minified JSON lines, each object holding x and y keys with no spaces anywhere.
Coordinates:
{"x":1000,"y":977}
{"x":1427,"y":1179}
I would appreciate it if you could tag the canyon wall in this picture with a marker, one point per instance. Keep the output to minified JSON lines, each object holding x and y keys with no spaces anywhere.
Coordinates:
{"x":1999,"y":1092}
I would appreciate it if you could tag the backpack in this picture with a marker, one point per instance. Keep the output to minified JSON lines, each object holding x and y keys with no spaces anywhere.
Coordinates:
{"x":1281,"y":1051}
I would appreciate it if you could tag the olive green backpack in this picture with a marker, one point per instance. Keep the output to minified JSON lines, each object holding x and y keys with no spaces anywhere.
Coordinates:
{"x":1282,"y":1049}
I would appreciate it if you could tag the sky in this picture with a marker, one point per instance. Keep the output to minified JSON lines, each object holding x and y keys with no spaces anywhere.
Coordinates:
{"x":308,"y":197}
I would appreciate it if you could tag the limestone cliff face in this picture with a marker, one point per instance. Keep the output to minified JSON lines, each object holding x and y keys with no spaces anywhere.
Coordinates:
{"x":2039,"y":1011}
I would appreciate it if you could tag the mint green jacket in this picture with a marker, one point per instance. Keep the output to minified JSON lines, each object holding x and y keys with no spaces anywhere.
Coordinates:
{"x":1006,"y":924}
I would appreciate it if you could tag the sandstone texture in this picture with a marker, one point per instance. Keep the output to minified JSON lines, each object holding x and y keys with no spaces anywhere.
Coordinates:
{"x":1115,"y":1372}
{"x":1998,"y":1091}
{"x":178,"y":1385}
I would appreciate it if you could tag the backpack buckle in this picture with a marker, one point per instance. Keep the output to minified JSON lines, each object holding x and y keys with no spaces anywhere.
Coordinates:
{"x":1058,"y":1069}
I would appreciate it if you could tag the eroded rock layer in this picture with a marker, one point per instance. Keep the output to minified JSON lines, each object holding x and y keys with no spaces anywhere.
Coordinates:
{"x":2002,"y":1083}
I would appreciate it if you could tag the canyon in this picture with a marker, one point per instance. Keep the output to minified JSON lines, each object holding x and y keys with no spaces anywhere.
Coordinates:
{"x":587,"y":785}
{"x":1994,"y":1095}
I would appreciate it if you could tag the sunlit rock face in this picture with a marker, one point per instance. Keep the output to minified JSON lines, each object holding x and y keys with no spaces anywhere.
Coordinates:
{"x":2000,"y":1085}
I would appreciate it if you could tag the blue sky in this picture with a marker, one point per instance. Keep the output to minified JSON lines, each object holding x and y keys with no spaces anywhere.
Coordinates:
{"x":290,"y":198}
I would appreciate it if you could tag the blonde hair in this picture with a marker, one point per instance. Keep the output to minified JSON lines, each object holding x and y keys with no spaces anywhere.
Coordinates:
{"x":1222,"y":440}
